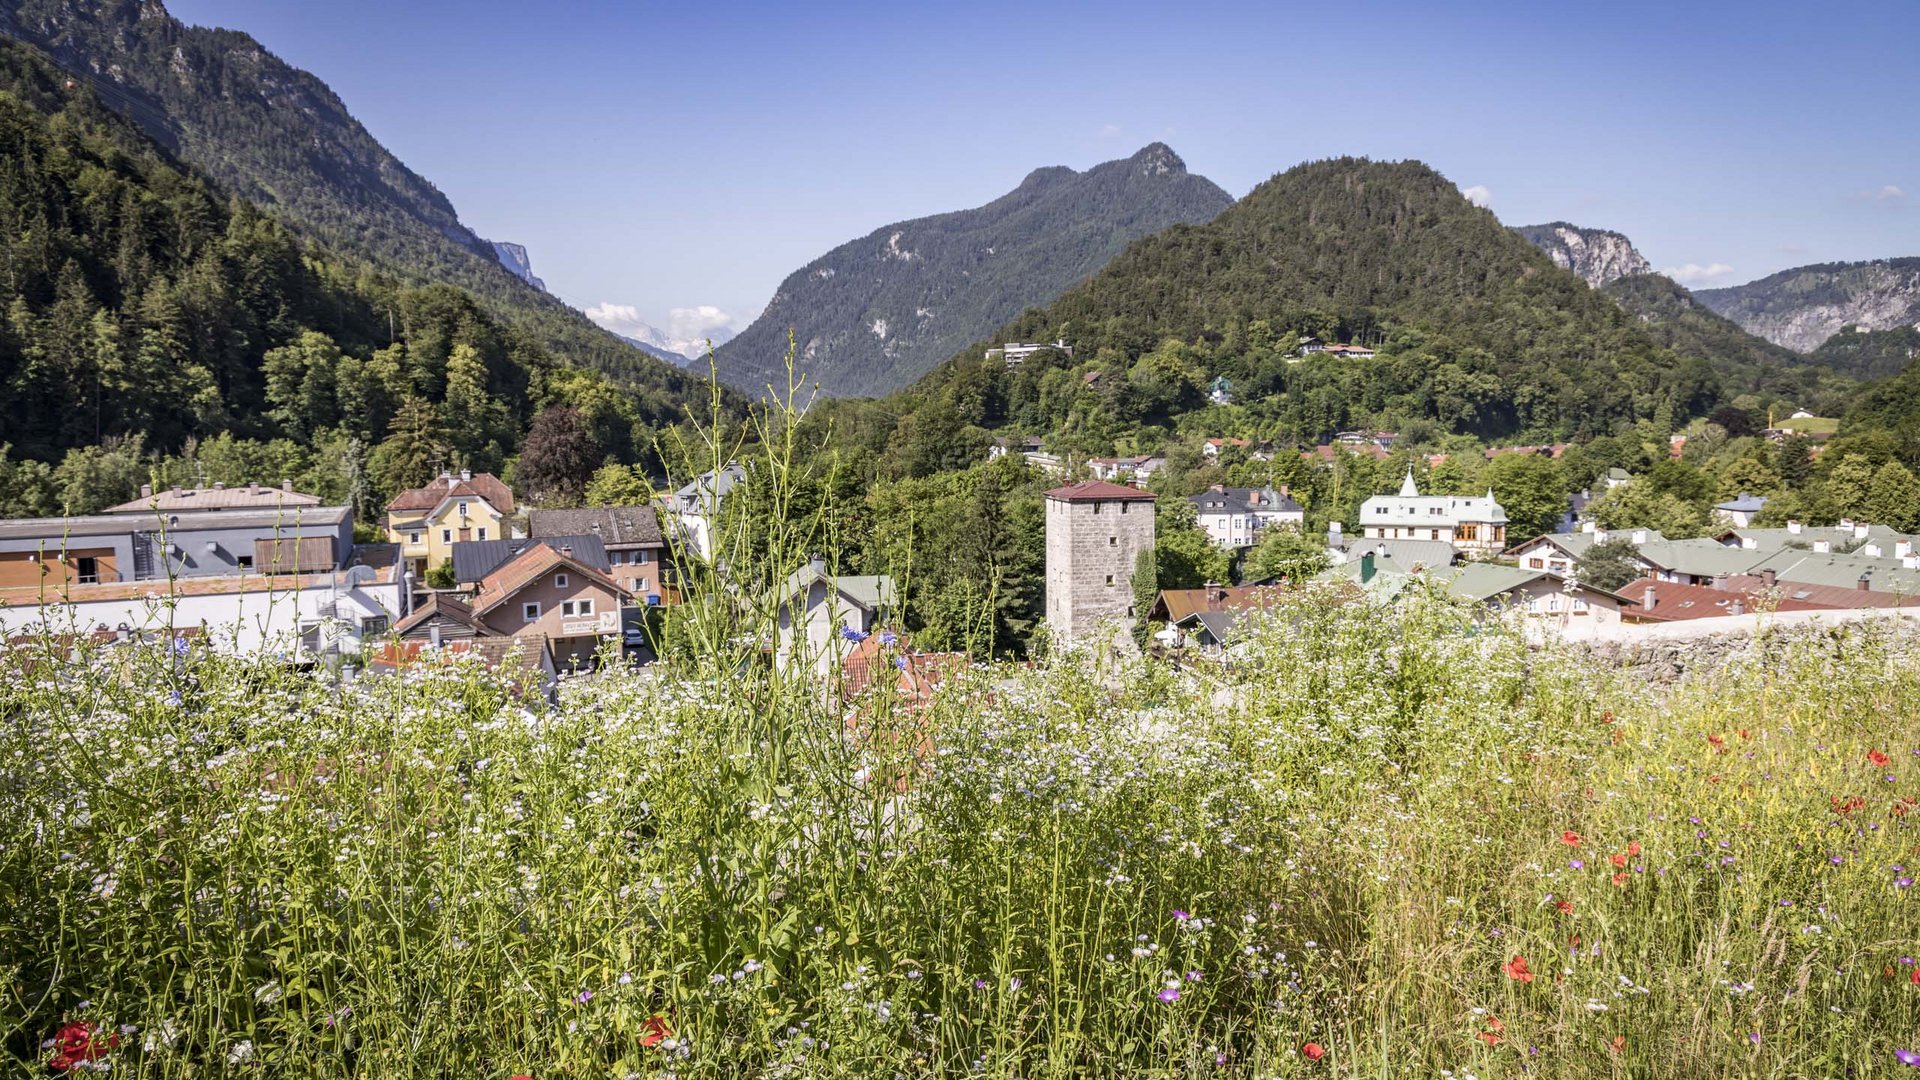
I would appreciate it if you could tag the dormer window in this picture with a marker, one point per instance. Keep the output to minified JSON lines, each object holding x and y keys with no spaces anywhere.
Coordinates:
{"x":559,"y":581}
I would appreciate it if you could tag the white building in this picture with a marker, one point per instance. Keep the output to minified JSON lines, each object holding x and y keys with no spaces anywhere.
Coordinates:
{"x":1472,"y":522}
{"x":822,"y":617}
{"x":1234,"y":517}
{"x":695,"y":508}
{"x":1015,"y":353}
{"x":308,"y":616}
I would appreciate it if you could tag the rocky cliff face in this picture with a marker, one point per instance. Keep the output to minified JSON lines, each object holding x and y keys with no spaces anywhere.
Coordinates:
{"x":514,"y":257}
{"x":1803,"y":307}
{"x":876,"y":313}
{"x":1599,"y":256}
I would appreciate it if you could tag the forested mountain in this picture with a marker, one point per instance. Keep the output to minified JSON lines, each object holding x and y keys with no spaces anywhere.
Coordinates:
{"x":1677,"y":319}
{"x":1478,"y":331}
{"x":279,"y":137}
{"x":146,"y":312}
{"x":1803,"y":307}
{"x":1869,"y":354}
{"x":1600,"y":256}
{"x":872,"y":315}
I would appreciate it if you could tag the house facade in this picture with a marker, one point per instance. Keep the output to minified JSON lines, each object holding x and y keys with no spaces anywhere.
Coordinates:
{"x":630,"y":535}
{"x":546,"y":594}
{"x":100,"y":549}
{"x":696,"y":507}
{"x":1472,"y":523}
{"x":823,"y":616}
{"x":427,"y":521}
{"x":1095,"y":534}
{"x":1234,"y":517}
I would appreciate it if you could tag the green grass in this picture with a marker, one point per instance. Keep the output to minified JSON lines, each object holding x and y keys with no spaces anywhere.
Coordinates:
{"x":425,"y":876}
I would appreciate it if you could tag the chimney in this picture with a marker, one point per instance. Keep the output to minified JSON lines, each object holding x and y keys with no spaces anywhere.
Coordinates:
{"x":176,"y":489}
{"x":1872,"y":551}
{"x":817,"y":564}
{"x":1366,"y":568}
{"x":1647,"y":598}
{"x":146,"y":491}
{"x":1749,"y":543}
{"x":1902,"y":548}
{"x":1793,"y":527}
{"x":1863,"y":582}
{"x":1739,"y":607}
{"x":286,"y":485}
{"x":1639,"y":536}
{"x":1588,"y":526}
{"x":1860,"y":532}
{"x":1599,"y":535}
{"x":253,"y":487}
{"x":1214,"y":595}
{"x":1822,"y":547}
{"x":466,"y":474}
{"x":433,"y":635}
{"x":219,"y":485}
{"x":1768,"y":577}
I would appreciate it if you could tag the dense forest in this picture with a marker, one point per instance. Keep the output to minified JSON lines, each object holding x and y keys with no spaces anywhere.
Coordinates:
{"x":1869,"y":354}
{"x":145,"y":313}
{"x":228,"y":108}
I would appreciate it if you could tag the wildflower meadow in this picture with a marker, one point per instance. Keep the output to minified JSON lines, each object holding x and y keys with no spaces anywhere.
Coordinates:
{"x":1379,"y":847}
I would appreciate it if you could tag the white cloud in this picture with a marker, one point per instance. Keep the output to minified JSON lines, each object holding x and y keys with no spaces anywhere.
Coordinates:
{"x":1110,"y":131}
{"x":1695,"y":274}
{"x":697,"y":323}
{"x":1886,"y":194}
{"x":619,"y":318}
{"x":1478,"y":195}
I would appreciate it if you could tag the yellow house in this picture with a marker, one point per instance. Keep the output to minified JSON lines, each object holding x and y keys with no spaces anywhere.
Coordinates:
{"x":427,"y":521}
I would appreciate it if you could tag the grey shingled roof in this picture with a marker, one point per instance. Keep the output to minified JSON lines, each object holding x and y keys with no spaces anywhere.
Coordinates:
{"x":616,"y":526}
{"x":475,"y":559}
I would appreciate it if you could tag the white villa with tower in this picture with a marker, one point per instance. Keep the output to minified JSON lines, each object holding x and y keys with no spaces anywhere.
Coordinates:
{"x":1473,"y":523}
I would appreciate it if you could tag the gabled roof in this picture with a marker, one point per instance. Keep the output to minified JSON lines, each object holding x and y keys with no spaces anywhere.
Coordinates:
{"x":1698,"y":558}
{"x":1232,"y":500}
{"x":1099,"y":491}
{"x":528,"y":567}
{"x":1674,"y":602}
{"x":870,"y":591}
{"x":1404,"y":555}
{"x":443,"y":606}
{"x":616,"y":526}
{"x":1175,"y":605}
{"x":1744,"y":504}
{"x":475,"y":559}
{"x":709,"y":487}
{"x":478,"y":485}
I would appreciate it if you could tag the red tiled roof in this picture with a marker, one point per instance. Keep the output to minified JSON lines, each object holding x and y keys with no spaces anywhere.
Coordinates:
{"x":481,"y":485}
{"x":1180,"y":603}
{"x":447,"y":607}
{"x":1674,"y":602}
{"x":1098,"y":491}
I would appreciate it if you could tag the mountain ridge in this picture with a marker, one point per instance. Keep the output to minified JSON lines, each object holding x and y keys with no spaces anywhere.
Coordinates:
{"x":876,"y":312}
{"x":1805,"y":306}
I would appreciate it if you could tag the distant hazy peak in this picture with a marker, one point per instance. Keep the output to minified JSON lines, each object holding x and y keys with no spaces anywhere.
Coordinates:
{"x":1600,"y":256}
{"x":1157,"y":159}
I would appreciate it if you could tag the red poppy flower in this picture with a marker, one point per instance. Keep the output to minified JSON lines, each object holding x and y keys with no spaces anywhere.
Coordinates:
{"x":1516,"y":970}
{"x":76,"y":1044}
{"x":1565,"y":907}
{"x":1744,"y":735}
{"x":1633,"y":848}
{"x":1489,"y":1038}
{"x":1714,"y":779}
{"x":1620,"y":879}
{"x":1570,"y":838}
{"x":1619,"y":1043}
{"x":654,"y":1032}
{"x":1915,"y":977}
{"x":1617,"y":859}
{"x":1718,"y":743}
{"x":1313,"y":1051}
{"x":1878,"y":758}
{"x":1607,"y":717}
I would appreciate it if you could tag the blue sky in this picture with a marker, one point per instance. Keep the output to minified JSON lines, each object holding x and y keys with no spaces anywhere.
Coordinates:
{"x":671,"y":158}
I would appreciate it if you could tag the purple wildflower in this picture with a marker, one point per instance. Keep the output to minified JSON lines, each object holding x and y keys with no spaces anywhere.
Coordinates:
{"x":1903,"y":883}
{"x":1577,"y":864}
{"x":1193,"y":976}
{"x":1907,"y":1057}
{"x":979,"y":984}
{"x":888,"y":637}
{"x":1168,"y":996}
{"x":583,"y":997}
{"x":1180,"y":916}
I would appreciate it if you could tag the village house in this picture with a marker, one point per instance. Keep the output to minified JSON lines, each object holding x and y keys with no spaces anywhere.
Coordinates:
{"x":1740,"y":511}
{"x":1468,"y":522}
{"x":1536,"y":594}
{"x":475,"y":559}
{"x":1016,"y":353}
{"x":1234,"y":517}
{"x":822,"y":616}
{"x":1212,"y":447}
{"x":630,"y":535}
{"x":539,"y":593}
{"x":427,"y":521}
{"x":696,"y":507}
{"x":55,"y":552}
{"x":1138,"y":469}
{"x":1208,"y":618}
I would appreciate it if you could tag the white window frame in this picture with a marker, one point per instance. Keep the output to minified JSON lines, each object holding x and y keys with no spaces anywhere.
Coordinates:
{"x":572,"y":608}
{"x":483,"y":532}
{"x":530,"y":611}
{"x":446,"y":536}
{"x":559,"y":581}
{"x":463,"y":508}
{"x":413,"y":537}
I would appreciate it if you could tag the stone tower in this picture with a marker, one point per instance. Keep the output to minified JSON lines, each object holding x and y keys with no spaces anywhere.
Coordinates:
{"x":1095,"y":533}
